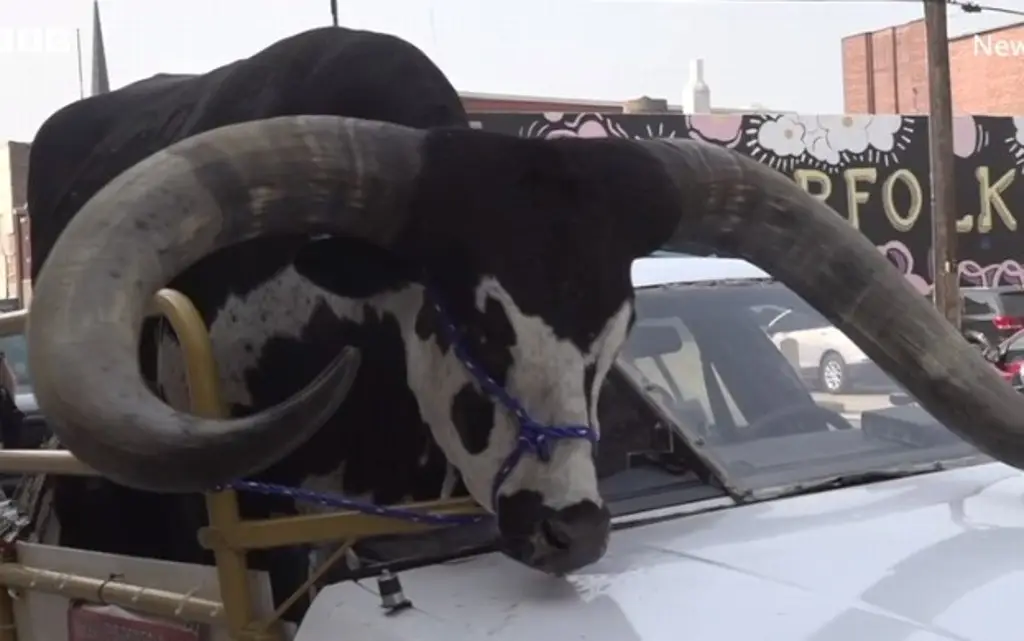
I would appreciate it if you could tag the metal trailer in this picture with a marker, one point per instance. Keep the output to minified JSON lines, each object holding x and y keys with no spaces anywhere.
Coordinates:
{"x":228,"y":536}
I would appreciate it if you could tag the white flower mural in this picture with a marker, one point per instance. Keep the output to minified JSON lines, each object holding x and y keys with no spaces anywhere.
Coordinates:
{"x":1018,"y":124}
{"x":783,"y":140}
{"x":1015,"y":142}
{"x":856,"y":134}
{"x":818,"y":144}
{"x":783,"y":136}
{"x":581,"y":125}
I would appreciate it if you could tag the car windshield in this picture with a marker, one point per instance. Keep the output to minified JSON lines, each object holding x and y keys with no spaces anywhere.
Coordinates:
{"x":774,"y":395}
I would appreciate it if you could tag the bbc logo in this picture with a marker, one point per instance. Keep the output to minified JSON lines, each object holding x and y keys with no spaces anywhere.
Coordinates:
{"x":37,"y":40}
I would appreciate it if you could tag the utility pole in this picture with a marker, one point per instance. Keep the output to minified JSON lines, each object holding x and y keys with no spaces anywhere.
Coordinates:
{"x":940,"y":143}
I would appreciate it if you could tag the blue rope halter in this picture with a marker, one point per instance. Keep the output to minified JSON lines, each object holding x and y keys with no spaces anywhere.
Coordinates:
{"x":534,"y":437}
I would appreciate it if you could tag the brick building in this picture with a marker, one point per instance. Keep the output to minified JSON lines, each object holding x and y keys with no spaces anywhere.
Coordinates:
{"x":886,"y":71}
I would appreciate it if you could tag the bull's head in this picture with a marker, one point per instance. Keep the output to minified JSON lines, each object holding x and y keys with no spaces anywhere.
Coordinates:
{"x":528,"y":242}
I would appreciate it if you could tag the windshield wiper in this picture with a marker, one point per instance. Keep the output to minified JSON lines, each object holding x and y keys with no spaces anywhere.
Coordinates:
{"x":863,"y":478}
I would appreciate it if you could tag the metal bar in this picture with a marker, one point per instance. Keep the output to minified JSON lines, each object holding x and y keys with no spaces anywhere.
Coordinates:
{"x":207,"y":401}
{"x":43,"y":462}
{"x":200,"y":367}
{"x":307,"y":585}
{"x":253,"y":534}
{"x":320,"y":528}
{"x":174,"y":605}
{"x":940,"y":143}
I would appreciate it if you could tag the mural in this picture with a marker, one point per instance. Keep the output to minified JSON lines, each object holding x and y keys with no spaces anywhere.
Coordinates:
{"x":872,"y":169}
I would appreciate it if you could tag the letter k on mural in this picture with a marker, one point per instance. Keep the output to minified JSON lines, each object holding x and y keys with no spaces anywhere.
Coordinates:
{"x":872,"y":169}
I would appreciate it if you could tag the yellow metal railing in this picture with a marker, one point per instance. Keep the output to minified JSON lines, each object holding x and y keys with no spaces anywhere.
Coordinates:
{"x":228,"y":536}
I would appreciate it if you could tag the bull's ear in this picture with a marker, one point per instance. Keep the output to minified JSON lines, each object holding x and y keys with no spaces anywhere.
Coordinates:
{"x":349,"y":268}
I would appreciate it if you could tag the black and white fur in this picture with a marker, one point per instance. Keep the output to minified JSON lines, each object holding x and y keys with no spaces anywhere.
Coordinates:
{"x":279,"y":309}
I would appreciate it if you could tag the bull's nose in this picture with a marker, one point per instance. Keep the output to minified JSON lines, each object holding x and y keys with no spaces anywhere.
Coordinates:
{"x":553,"y":541}
{"x":572,"y":538}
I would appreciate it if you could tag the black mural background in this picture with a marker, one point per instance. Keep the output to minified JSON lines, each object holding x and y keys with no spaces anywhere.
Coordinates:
{"x":882,"y":158}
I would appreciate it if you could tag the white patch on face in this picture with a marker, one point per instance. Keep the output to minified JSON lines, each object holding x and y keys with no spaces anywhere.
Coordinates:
{"x":547,"y":378}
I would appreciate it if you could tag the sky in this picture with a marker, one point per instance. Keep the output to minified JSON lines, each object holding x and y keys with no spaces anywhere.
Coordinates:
{"x":784,"y":55}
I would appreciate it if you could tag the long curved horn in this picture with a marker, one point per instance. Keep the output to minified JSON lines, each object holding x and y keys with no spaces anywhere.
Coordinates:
{"x":733,"y":203}
{"x":307,"y":174}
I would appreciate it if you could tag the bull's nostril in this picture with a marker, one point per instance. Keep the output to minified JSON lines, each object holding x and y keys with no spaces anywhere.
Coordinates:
{"x":553,"y":535}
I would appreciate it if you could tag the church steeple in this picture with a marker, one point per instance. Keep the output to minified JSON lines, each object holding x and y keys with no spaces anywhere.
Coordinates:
{"x":100,"y":79}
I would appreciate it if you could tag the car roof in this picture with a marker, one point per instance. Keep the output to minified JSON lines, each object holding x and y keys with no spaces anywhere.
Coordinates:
{"x":665,"y":268}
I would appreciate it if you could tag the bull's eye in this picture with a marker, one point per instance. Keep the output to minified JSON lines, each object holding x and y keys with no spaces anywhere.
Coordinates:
{"x":488,"y":354}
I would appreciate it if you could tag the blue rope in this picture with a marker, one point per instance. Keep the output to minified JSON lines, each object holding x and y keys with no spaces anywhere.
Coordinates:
{"x":534,"y":437}
{"x":337,"y":501}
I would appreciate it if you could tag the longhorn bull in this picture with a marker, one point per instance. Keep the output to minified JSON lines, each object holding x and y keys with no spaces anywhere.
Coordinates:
{"x":484,"y":279}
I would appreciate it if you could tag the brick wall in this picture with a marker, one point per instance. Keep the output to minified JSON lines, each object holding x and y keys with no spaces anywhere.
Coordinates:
{"x":886,"y":71}
{"x":984,"y":81}
{"x":857,"y":79}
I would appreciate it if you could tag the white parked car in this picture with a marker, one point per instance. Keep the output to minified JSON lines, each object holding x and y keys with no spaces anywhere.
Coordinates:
{"x":822,"y":354}
{"x":744,"y":507}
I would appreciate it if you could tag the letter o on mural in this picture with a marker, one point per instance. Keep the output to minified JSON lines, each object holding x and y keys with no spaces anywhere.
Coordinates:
{"x":901,"y":221}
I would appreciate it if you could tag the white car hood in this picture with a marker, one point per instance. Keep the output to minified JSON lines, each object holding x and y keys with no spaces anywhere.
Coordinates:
{"x":929,"y":558}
